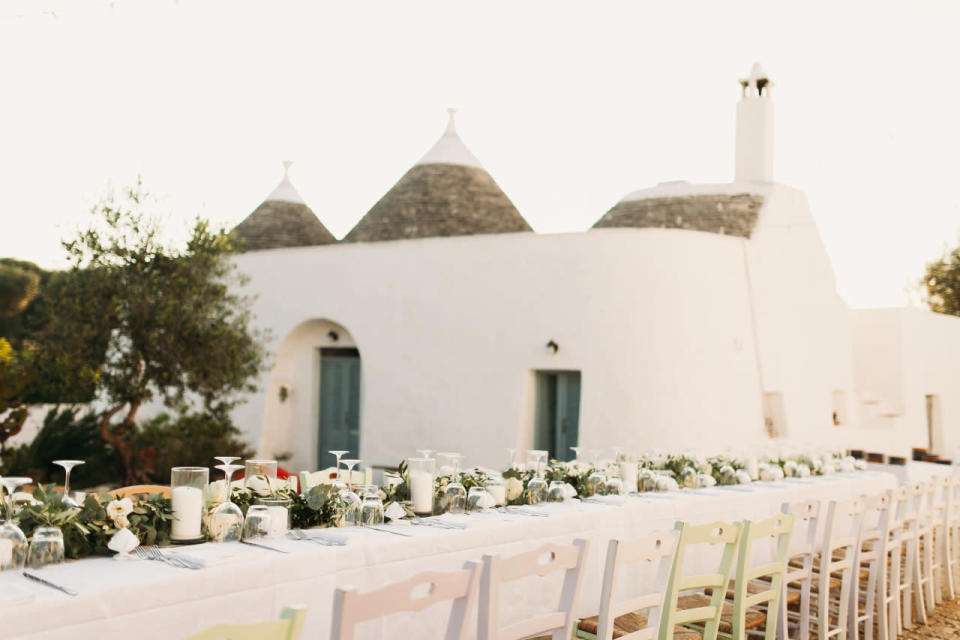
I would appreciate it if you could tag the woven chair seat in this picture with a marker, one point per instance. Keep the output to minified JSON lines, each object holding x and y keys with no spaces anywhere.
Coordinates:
{"x":630,"y":623}
{"x":753,"y":617}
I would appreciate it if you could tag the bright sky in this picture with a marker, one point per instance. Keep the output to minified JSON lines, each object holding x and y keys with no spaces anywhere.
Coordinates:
{"x":569,"y":106}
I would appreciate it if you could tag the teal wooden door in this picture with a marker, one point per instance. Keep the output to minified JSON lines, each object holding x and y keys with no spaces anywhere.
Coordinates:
{"x":339,"y":404}
{"x":557,"y":413}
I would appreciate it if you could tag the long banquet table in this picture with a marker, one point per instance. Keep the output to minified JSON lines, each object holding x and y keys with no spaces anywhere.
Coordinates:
{"x":145,"y":599}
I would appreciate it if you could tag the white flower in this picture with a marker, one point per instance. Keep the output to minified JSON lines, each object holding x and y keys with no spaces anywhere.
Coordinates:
{"x":790,"y":468}
{"x":704,"y":466}
{"x":861,"y":465}
{"x":117,"y":510}
{"x":803,"y":471}
{"x":848,"y":465}
{"x":514,"y":488}
{"x":666,"y":483}
{"x":742,"y":477}
{"x":770,"y":472}
{"x":705,"y":480}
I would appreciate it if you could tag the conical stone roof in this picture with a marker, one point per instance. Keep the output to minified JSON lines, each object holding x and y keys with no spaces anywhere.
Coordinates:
{"x":282,"y":220}
{"x":447,"y":193}
{"x":723,"y":209}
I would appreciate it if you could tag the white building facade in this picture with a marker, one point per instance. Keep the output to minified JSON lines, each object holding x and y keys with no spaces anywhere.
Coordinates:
{"x":690,"y":317}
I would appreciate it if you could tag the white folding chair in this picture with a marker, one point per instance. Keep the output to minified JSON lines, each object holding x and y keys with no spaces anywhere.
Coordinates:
{"x":870,"y":555}
{"x":942,"y":552}
{"x":837,"y":552}
{"x":916,"y":519}
{"x":550,"y":558}
{"x":888,"y":586}
{"x":636,"y":617}
{"x":351,"y":607}
{"x":803,"y":550}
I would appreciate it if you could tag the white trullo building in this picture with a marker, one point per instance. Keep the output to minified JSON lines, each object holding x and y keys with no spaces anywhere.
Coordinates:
{"x":690,"y":316}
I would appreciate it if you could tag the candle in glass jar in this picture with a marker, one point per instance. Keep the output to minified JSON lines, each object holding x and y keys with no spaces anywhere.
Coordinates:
{"x":187,"y":505}
{"x":628,"y":473}
{"x":421,"y":491}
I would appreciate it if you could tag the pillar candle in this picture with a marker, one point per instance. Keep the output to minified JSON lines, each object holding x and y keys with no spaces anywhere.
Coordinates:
{"x":187,"y":505}
{"x":421,"y":491}
{"x":628,"y":472}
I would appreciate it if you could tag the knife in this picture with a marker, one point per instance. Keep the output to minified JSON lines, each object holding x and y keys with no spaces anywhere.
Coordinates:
{"x":52,"y":585}
{"x":396,"y":533}
{"x":263,"y":546}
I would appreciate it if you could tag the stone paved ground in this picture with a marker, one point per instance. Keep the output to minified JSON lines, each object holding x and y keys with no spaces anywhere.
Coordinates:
{"x":943,"y":625}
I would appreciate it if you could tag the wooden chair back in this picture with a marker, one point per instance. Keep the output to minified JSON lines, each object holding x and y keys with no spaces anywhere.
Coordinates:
{"x":840,"y":538}
{"x":351,"y":607}
{"x":658,"y":550}
{"x":288,"y":627}
{"x":870,"y":555}
{"x":550,"y":558}
{"x":779,"y":527}
{"x":141,"y":490}
{"x":803,"y":549}
{"x":714,"y":533}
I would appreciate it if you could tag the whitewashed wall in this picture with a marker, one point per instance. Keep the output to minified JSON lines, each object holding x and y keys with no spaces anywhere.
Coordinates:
{"x":450,"y":329}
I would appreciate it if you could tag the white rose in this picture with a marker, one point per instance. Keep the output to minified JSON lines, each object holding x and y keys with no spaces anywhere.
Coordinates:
{"x":120,"y":521}
{"x":803,"y":471}
{"x":666,"y":483}
{"x":742,"y":477}
{"x":790,"y":468}
{"x":706,"y":480}
{"x":514,"y":488}
{"x":860,"y":465}
{"x":117,"y":510}
{"x":847,"y":465}
{"x":215,"y":493}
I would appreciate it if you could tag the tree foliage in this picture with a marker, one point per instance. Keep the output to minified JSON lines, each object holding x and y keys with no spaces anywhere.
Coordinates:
{"x":14,"y":374}
{"x":19,"y":285}
{"x":941,"y":283}
{"x":163,"y":322}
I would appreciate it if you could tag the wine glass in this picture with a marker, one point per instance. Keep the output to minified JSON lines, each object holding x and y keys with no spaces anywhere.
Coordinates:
{"x":557,"y":491}
{"x":46,"y":547}
{"x":537,"y":486}
{"x":513,"y":458}
{"x":426,"y":453}
{"x":455,"y":494}
{"x":477,"y":499}
{"x":614,"y":485}
{"x":67,"y":466}
{"x":597,"y":479}
{"x":226,"y":520}
{"x":10,"y":531}
{"x":338,"y":455}
{"x":352,"y":516}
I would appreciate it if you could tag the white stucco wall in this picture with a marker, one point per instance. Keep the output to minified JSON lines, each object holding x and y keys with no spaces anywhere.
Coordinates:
{"x":450,"y":329}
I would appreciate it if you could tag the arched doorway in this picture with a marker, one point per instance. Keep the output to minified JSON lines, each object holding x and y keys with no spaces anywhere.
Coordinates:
{"x":339,"y":416}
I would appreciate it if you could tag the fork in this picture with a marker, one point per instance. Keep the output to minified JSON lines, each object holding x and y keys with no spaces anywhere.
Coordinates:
{"x":173,"y":561}
{"x":299,"y":534}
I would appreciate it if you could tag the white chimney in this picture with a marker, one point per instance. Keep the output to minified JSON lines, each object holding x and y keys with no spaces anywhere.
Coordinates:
{"x":754,"y":154}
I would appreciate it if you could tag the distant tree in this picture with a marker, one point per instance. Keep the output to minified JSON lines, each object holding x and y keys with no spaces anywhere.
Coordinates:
{"x":941,"y":283}
{"x":14,"y":374}
{"x":170,"y":326}
{"x":19,"y":285}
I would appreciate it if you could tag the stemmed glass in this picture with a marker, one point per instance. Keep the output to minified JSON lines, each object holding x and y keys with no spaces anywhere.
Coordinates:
{"x":537,"y":487}
{"x":67,"y":466}
{"x":354,"y":503}
{"x":226,"y":520}
{"x":228,"y":460}
{"x":10,"y":531}
{"x":456,"y":493}
{"x":338,"y":455}
{"x":513,"y":458}
{"x":597,"y":480}
{"x":426,"y":453}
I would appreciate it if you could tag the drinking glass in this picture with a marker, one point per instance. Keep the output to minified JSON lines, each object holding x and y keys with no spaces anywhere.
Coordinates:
{"x":46,"y":547}
{"x":225,"y":523}
{"x":226,"y":459}
{"x":352,"y":516}
{"x":426,"y":453}
{"x":597,"y":479}
{"x":513,"y":458}
{"x":265,"y":469}
{"x":257,"y":523}
{"x":613,"y":485}
{"x":338,"y":455}
{"x":557,"y":491}
{"x":455,"y":495}
{"x":279,"y":511}
{"x":477,"y":499}
{"x":537,"y":486}
{"x":67,"y":466}
{"x":13,"y":544}
{"x":371,"y":512}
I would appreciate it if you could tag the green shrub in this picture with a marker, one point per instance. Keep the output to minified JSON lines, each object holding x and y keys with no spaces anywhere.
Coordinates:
{"x":187,"y":440}
{"x":65,"y":434}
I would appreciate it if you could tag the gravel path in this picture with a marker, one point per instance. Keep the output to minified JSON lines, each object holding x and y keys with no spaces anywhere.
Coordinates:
{"x":944,"y":624}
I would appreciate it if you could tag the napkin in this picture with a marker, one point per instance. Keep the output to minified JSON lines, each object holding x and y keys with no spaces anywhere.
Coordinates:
{"x":215,"y":555}
{"x":123,"y":542}
{"x":569,"y":491}
{"x":394,"y":511}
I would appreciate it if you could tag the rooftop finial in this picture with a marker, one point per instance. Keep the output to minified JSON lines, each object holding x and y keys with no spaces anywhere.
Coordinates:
{"x":757,"y":84}
{"x":451,"y":123}
{"x":286,"y":167}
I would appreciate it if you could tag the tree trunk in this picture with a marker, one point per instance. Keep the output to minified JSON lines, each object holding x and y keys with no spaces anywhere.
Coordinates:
{"x":116,"y":436}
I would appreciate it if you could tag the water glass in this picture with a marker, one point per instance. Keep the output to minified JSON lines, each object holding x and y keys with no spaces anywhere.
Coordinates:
{"x":371,"y":512}
{"x":46,"y":547}
{"x":557,"y":491}
{"x":257,"y":523}
{"x":477,"y":499}
{"x":279,"y":510}
{"x":265,"y":470}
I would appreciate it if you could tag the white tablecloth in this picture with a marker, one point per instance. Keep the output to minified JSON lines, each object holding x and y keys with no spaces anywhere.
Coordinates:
{"x":915,"y":471}
{"x":146,"y":599}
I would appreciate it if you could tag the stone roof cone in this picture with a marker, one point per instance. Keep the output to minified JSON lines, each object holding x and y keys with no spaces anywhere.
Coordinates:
{"x":282,"y":220}
{"x":447,"y":193}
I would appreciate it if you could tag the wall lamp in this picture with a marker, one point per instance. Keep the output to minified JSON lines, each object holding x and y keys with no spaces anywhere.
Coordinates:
{"x":333,"y":335}
{"x":553,"y":346}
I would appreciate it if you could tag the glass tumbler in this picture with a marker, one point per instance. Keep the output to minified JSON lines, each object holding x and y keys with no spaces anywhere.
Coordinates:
{"x":371,"y":511}
{"x":257,"y":523}
{"x":187,"y":486}
{"x":557,"y":491}
{"x":46,"y":547}
{"x":477,"y":499}
{"x":259,"y":473}
{"x":279,"y":510}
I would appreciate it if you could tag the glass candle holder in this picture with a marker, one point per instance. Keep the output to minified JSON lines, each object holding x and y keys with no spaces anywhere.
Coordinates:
{"x":497,"y":490}
{"x":279,"y":510}
{"x":420,"y":477}
{"x":629,"y":473}
{"x":187,"y":485}
{"x":258,"y":473}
